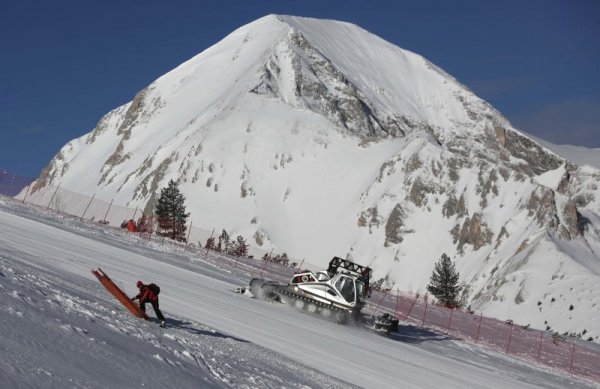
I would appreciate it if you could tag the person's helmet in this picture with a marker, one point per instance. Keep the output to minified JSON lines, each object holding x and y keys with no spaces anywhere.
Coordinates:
{"x":139,"y":284}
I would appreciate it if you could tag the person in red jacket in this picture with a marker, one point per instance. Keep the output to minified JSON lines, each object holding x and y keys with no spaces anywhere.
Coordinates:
{"x":146,"y":295}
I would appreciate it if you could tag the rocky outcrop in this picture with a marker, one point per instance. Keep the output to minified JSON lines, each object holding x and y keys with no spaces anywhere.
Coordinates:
{"x":452,"y":207}
{"x":537,"y":159}
{"x":474,"y":231}
{"x":419,"y":191}
{"x":567,"y":222}
{"x":394,"y":225}
{"x":319,"y":86}
{"x":572,"y":223}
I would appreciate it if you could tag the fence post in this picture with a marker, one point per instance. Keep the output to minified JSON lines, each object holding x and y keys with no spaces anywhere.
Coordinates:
{"x":572,"y":356}
{"x":106,"y":214}
{"x":26,"y":192}
{"x":86,"y":208}
{"x":265,"y":265}
{"x":479,"y":326}
{"x":509,"y":337}
{"x":411,"y":307}
{"x":53,"y":194}
{"x":540,"y":348}
{"x":211,"y":235}
{"x":188,"y":237}
{"x":450,"y":321}
{"x":397,"y":300}
{"x":424,"y":313}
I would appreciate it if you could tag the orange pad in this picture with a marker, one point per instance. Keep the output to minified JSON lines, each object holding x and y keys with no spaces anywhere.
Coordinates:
{"x":119,"y":294}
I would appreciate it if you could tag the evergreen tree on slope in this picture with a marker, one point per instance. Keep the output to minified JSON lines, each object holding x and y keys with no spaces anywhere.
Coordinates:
{"x":170,"y":212}
{"x":240,"y":248}
{"x":224,"y":242}
{"x":444,"y":282}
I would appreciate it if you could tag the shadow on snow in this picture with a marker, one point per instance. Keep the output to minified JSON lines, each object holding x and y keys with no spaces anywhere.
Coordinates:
{"x":187,"y":326}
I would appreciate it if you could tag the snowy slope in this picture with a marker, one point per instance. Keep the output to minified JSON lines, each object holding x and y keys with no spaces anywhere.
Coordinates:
{"x":61,"y":328}
{"x":317,"y":138}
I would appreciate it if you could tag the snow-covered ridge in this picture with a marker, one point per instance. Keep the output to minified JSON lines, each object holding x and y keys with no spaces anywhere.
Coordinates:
{"x":317,"y":138}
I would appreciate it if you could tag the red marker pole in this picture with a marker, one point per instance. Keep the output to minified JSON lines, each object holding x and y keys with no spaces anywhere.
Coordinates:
{"x":509,"y":337}
{"x":424,"y":314}
{"x":540,"y":348}
{"x":479,"y":326}
{"x":411,"y":307}
{"x":572,"y":356}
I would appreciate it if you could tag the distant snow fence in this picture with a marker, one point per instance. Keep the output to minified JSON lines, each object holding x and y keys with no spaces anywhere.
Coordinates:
{"x":574,"y":356}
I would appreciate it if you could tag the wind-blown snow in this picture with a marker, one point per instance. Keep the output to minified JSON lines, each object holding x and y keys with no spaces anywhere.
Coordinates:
{"x":61,"y":328}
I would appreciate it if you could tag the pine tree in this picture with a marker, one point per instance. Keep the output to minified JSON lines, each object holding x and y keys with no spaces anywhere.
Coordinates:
{"x":224,"y":242}
{"x":240,"y":248}
{"x":210,"y":243}
{"x":285,"y":260}
{"x":444,"y":282}
{"x":170,"y":212}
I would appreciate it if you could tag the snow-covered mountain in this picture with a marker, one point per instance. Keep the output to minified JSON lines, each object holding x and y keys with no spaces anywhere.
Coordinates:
{"x":317,"y":138}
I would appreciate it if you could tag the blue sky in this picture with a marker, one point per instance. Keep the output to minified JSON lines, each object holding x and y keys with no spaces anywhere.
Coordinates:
{"x":64,"y":64}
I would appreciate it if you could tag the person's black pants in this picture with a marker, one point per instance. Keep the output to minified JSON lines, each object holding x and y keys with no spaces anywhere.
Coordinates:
{"x":159,"y":314}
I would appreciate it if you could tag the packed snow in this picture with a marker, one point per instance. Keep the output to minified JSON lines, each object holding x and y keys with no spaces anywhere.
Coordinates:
{"x":61,"y":328}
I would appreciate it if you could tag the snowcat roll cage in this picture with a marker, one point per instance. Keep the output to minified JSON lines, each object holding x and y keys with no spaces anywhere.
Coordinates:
{"x":362,"y":272}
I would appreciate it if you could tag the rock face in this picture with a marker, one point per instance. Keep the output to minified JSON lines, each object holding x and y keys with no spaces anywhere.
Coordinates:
{"x":318,"y":138}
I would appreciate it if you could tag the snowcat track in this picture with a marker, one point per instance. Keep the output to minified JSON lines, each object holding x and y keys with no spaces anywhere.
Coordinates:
{"x":340,"y":315}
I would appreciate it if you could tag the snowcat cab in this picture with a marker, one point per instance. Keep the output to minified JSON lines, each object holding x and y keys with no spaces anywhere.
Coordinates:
{"x":344,"y":284}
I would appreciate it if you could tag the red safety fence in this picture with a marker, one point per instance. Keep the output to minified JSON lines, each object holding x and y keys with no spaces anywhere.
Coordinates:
{"x":570,"y":355}
{"x":567,"y":354}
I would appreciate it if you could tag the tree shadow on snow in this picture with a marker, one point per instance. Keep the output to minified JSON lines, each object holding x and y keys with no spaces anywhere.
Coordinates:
{"x":413,"y":334}
{"x":187,"y":326}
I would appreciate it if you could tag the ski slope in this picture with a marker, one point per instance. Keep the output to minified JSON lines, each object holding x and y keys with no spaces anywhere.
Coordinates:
{"x":60,"y":328}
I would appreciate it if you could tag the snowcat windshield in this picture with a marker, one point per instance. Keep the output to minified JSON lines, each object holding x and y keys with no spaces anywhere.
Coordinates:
{"x":345,"y":285}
